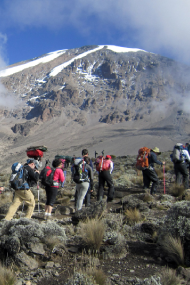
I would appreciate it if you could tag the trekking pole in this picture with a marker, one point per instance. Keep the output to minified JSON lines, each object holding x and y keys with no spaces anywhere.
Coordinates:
{"x":38,"y":200}
{"x":164,"y":178}
{"x":22,"y":209}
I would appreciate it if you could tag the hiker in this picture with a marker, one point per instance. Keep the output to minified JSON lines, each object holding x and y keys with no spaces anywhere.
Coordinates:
{"x":51,"y":191}
{"x":180,"y":164}
{"x":25,"y":195}
{"x":90,"y":188}
{"x":105,"y":176}
{"x":83,"y":177}
{"x":149,"y":173}
{"x":85,"y":154}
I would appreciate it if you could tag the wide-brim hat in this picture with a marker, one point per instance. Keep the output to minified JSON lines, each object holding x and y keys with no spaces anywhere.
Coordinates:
{"x":156,"y":150}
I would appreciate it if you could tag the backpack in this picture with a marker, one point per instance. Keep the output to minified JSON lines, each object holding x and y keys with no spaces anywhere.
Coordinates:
{"x":142,"y":158}
{"x":34,"y":153}
{"x":80,"y":173}
{"x":19,"y":177}
{"x":102,"y":164}
{"x":177,"y":153}
{"x":46,"y":176}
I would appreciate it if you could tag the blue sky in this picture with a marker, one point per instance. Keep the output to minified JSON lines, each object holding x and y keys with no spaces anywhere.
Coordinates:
{"x":30,"y":28}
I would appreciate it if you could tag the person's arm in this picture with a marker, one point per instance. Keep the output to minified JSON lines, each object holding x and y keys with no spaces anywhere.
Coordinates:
{"x":186,"y":153}
{"x":33,"y":175}
{"x":111,"y":166}
{"x":155,"y":160}
{"x":90,"y":173}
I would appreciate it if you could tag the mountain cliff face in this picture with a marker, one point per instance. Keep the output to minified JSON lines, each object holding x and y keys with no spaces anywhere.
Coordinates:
{"x":107,"y":86}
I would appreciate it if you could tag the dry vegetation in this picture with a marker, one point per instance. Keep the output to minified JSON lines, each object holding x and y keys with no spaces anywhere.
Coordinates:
{"x":168,"y":277}
{"x":173,"y":247}
{"x":92,"y":233}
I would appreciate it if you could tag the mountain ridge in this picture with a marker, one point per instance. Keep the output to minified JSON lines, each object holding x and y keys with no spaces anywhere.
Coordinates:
{"x":99,"y":97}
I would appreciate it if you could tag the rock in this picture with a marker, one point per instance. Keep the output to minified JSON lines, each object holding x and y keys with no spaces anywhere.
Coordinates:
{"x":96,"y":210}
{"x":49,"y":264}
{"x":24,"y":260}
{"x":37,"y":248}
{"x":134,"y":201}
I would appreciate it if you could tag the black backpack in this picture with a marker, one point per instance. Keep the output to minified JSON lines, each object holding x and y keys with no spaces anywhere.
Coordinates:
{"x":47,"y":180}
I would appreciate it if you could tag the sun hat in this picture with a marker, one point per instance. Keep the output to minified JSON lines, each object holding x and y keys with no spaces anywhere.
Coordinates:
{"x":156,"y":150}
{"x":108,"y":156}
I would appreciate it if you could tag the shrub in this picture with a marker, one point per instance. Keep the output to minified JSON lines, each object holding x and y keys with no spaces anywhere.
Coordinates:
{"x":177,"y":190}
{"x":98,"y":275}
{"x":92,"y":233}
{"x":132,"y":216}
{"x":168,"y":277}
{"x":174,"y":249}
{"x":148,"y":198}
{"x":7,"y":276}
{"x":138,"y":180}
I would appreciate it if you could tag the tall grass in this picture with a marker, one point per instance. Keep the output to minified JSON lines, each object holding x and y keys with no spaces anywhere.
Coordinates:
{"x":173,"y":247}
{"x":176,"y":190}
{"x":132,"y":216}
{"x":92,"y":233}
{"x":7,"y":277}
{"x":168,"y":277}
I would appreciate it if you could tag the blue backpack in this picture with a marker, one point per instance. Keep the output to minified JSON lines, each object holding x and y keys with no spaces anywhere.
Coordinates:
{"x":19,"y":177}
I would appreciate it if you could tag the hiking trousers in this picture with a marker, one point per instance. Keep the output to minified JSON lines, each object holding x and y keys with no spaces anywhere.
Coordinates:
{"x":20,"y":197}
{"x":181,"y":169}
{"x":81,"y":190}
{"x":149,"y":174}
{"x":105,"y":176}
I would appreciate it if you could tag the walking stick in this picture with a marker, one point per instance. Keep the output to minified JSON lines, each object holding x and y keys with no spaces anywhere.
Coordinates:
{"x":164,"y":179}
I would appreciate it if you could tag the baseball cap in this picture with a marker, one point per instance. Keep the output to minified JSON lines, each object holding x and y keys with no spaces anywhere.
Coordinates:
{"x":108,"y":156}
{"x":31,"y":160}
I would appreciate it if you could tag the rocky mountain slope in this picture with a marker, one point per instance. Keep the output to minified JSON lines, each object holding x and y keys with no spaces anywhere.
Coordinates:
{"x":100,"y":97}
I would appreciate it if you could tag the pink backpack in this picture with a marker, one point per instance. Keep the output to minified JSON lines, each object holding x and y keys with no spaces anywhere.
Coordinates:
{"x":102,"y":163}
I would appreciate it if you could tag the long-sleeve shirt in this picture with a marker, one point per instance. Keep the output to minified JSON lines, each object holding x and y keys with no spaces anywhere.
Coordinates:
{"x":58,"y":177}
{"x":153,"y":159}
{"x":32,"y":176}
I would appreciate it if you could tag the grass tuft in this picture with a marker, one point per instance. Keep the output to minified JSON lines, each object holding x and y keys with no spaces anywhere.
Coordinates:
{"x":168,"y":277}
{"x":173,"y":247}
{"x":132,"y":216}
{"x":92,"y":233}
{"x":177,"y":190}
{"x":7,"y":276}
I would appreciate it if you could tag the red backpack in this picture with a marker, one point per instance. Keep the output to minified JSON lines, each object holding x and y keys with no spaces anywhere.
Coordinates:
{"x":142,"y":158}
{"x":102,"y":163}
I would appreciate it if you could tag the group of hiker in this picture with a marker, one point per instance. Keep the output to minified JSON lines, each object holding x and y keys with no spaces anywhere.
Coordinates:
{"x":52,"y":177}
{"x":148,"y":157}
{"x":25,"y":176}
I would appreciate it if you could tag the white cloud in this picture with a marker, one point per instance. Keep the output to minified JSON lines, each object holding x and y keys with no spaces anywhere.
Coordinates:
{"x":159,"y":25}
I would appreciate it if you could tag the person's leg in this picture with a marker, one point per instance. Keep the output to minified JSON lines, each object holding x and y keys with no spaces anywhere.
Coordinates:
{"x":184,"y":172}
{"x":146,"y":179}
{"x":28,"y":197}
{"x":178,"y":174}
{"x":51,"y":193}
{"x":14,"y":206}
{"x":108,"y":178}
{"x":101,"y":186}
{"x":82,"y":188}
{"x":87,"y":197}
{"x":154,"y":178}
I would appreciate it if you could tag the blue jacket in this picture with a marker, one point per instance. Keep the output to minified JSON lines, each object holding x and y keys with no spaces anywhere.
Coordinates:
{"x":153,"y":159}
